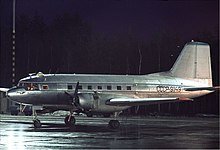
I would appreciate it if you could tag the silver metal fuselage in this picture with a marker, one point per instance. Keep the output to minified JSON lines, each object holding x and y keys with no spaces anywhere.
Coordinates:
{"x":56,"y":89}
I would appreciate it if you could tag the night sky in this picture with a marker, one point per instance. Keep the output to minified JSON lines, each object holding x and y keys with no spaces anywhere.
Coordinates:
{"x":141,"y":17}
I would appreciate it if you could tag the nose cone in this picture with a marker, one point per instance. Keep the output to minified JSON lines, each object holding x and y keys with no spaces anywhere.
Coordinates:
{"x":15,"y":93}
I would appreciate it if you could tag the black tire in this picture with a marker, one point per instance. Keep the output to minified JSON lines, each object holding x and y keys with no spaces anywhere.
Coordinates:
{"x":114,"y":124}
{"x":37,"y":123}
{"x":71,"y":122}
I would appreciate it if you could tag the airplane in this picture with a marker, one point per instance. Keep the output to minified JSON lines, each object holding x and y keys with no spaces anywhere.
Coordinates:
{"x":190,"y":77}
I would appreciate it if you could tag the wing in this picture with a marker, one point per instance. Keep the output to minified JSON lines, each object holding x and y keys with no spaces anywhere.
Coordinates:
{"x":119,"y":100}
{"x":143,"y":101}
{"x":4,"y":89}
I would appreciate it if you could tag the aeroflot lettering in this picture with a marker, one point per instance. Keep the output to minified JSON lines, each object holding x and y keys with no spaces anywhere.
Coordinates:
{"x":162,"y":89}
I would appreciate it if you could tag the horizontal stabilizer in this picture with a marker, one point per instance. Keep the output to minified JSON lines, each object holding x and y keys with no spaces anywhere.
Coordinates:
{"x":143,"y":101}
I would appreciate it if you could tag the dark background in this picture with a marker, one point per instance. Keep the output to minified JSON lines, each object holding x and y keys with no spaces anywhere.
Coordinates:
{"x":109,"y":37}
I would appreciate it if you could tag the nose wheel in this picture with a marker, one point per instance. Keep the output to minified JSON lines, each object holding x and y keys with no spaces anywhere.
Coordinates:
{"x":36,"y":122}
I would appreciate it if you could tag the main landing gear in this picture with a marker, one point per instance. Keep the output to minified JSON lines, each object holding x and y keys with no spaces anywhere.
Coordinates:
{"x":114,"y":124}
{"x":37,"y":123}
{"x":70,"y":120}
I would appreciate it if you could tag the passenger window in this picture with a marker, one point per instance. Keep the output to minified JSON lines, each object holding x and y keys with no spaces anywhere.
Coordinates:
{"x":99,"y":87}
{"x":118,"y":87}
{"x":45,"y":87}
{"x":89,"y":87}
{"x":109,"y":87}
{"x":69,"y":87}
{"x":128,"y":87}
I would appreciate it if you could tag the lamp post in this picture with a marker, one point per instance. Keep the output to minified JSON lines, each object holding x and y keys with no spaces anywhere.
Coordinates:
{"x":13,"y":46}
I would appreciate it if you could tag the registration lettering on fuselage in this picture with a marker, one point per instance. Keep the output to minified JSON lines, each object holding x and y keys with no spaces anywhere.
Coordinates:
{"x":168,"y":89}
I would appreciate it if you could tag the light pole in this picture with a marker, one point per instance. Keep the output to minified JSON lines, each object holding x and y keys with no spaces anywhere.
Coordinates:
{"x":13,"y":46}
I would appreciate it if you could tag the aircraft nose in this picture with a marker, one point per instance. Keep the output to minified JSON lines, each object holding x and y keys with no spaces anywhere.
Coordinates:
{"x":15,"y":92}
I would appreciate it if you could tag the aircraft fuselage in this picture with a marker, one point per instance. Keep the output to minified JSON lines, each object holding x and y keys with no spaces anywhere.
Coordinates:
{"x":56,"y":89}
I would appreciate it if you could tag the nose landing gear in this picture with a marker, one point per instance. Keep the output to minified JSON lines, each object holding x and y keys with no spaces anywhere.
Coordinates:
{"x":37,"y":123}
{"x":114,"y":124}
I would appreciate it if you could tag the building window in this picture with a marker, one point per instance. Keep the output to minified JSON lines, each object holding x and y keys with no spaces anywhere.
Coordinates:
{"x":89,"y":87}
{"x":128,"y":87}
{"x":69,"y":87}
{"x":99,"y":87}
{"x":118,"y":87}
{"x":109,"y":87}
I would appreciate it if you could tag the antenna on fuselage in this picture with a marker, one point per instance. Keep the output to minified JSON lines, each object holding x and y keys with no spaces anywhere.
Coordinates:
{"x":40,"y":74}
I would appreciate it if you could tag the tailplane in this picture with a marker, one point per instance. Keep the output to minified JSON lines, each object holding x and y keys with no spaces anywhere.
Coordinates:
{"x":194,"y":63}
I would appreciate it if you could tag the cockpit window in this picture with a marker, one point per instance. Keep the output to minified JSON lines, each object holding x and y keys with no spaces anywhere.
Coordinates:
{"x":29,"y":86}
{"x":35,"y":86}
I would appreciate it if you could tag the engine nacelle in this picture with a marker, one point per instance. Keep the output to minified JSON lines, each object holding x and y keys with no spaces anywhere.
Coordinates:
{"x":86,"y":101}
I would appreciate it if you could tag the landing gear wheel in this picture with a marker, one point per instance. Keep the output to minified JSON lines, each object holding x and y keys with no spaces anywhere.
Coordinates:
{"x":37,"y":123}
{"x":70,"y":121}
{"x":114,"y":124}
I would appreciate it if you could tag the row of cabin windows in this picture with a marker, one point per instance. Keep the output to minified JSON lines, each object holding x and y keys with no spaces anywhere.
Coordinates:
{"x":89,"y":87}
{"x":33,"y":86}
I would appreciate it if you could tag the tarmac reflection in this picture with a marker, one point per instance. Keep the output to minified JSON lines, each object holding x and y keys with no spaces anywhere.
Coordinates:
{"x":17,"y":132}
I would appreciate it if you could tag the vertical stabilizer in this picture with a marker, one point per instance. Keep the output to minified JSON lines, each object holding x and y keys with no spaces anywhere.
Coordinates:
{"x":194,"y":63}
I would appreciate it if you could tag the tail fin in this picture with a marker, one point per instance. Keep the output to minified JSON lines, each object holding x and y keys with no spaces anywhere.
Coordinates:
{"x":194,"y":63}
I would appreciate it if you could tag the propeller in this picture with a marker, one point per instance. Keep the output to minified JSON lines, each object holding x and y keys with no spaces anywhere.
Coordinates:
{"x":75,"y":98}
{"x":75,"y":101}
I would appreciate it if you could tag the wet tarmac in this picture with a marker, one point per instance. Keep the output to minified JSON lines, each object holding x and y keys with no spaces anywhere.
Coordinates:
{"x":17,"y":132}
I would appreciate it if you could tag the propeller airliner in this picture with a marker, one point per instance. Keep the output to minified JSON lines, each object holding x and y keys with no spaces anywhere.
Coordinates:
{"x":190,"y":77}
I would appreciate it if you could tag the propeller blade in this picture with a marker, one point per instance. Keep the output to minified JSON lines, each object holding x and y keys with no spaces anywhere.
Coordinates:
{"x":75,"y":96}
{"x":76,"y":90}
